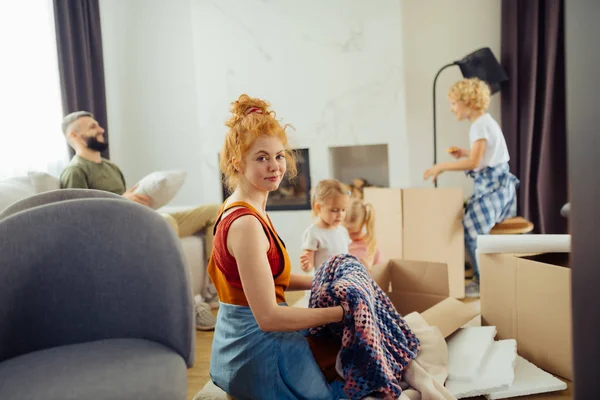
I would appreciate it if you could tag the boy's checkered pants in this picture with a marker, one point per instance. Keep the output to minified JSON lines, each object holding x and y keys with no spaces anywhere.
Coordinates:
{"x":494,"y":200}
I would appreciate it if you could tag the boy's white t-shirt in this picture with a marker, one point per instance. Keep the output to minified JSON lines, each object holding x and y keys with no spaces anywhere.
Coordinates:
{"x":496,"y":152}
{"x":326,"y":243}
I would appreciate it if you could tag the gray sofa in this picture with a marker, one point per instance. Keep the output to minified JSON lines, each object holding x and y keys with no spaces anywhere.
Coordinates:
{"x":95,"y":303}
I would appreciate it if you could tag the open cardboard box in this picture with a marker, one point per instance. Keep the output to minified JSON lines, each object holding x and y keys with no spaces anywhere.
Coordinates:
{"x":423,"y":287}
{"x":422,"y":224}
{"x":528,"y":298}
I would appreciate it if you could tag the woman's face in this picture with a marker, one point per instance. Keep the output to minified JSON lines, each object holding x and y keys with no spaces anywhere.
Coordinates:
{"x":265,"y":163}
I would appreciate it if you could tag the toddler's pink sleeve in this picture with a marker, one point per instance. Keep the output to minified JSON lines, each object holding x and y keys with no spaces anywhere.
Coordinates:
{"x":358,"y":250}
{"x":378,"y":257}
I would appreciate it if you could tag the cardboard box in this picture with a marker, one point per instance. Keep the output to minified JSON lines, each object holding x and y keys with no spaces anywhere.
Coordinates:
{"x":387,"y":203}
{"x":422,"y":224}
{"x":423,"y":287}
{"x":528,"y":298}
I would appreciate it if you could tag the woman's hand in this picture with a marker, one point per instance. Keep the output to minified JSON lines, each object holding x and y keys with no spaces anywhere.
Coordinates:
{"x":433,"y":172}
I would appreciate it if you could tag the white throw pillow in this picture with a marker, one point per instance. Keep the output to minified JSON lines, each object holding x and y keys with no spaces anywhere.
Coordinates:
{"x":43,"y":182}
{"x":161,"y":186}
{"x":14,"y":189}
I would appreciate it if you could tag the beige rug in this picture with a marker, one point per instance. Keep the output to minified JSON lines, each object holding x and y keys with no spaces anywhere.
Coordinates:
{"x":210,"y":392}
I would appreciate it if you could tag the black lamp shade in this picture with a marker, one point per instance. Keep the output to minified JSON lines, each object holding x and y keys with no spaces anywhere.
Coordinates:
{"x":483,"y":64}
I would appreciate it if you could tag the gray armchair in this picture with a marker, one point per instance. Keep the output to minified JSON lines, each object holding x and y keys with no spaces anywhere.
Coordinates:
{"x":95,"y":303}
{"x":53,"y":196}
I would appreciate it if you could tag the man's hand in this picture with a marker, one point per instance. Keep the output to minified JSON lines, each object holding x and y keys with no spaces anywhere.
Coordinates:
{"x":307,"y":260}
{"x":138,"y":198}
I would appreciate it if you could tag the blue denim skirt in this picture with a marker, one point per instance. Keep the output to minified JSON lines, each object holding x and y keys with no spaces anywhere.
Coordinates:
{"x":248,"y":363}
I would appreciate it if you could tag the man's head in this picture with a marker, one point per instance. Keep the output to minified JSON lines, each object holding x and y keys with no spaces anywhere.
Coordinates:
{"x":84,"y":132}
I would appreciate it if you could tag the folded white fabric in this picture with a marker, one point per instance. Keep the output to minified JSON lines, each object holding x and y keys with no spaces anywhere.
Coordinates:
{"x":529,"y":380}
{"x":467,"y":349}
{"x":210,"y":391}
{"x":497,"y":372}
{"x":161,"y":186}
{"x":433,"y":356}
{"x":424,"y":378}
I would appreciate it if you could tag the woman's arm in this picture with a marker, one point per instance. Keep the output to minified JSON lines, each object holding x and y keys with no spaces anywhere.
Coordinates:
{"x":300,"y":282}
{"x":247,"y":242}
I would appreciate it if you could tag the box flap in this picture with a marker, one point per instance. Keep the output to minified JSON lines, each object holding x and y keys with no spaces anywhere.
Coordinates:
{"x":556,"y":259}
{"x":406,"y":303}
{"x":544,"y":316}
{"x":433,"y":231}
{"x":388,"y":230}
{"x":380,"y":274}
{"x":499,"y":293}
{"x":529,"y":300}
{"x":419,"y":277}
{"x":449,"y":315}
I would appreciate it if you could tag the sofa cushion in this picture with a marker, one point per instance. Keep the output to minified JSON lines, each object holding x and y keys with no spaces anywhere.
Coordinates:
{"x":43,"y":182}
{"x":107,"y":369}
{"x":161,"y":186}
{"x":17,"y":188}
{"x":14,"y":189}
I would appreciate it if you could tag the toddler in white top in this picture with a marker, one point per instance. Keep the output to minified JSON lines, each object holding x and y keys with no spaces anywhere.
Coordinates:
{"x":326,"y":237}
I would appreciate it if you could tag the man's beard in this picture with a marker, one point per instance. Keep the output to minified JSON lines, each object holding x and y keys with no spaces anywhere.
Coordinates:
{"x":94,"y":144}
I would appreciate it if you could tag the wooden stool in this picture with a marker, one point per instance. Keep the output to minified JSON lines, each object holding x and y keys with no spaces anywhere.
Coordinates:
{"x":512,"y":226}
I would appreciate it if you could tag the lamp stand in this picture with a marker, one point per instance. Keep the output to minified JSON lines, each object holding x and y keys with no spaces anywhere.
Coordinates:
{"x":434,"y":121}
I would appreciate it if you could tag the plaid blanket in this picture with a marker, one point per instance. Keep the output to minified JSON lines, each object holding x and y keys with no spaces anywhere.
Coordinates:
{"x":377,"y":344}
{"x":494,"y":200}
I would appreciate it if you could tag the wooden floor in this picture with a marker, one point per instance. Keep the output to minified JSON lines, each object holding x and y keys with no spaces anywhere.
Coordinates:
{"x":198,"y":374}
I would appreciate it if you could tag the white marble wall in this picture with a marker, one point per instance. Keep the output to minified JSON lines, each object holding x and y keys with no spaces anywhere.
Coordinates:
{"x":333,"y":69}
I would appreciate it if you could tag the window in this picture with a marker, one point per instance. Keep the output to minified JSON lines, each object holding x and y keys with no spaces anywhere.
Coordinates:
{"x":30,"y":99}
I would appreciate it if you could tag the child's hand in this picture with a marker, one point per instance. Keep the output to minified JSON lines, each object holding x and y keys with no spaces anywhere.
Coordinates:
{"x":457,"y":152}
{"x":307,"y":260}
{"x":433,"y":173}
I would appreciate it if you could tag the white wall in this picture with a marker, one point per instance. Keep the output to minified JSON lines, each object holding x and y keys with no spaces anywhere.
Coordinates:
{"x":332,"y":69}
{"x":435,"y":33}
{"x":151,"y":91}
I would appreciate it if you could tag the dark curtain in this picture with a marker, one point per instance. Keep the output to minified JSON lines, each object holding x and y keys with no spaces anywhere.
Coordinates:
{"x":80,"y":59}
{"x":534,"y":109}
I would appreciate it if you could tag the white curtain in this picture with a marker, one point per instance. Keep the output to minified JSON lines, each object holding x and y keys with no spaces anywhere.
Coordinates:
{"x":30,"y":100}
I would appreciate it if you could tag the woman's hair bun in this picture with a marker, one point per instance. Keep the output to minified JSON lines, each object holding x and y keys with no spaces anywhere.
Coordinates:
{"x":246,"y":105}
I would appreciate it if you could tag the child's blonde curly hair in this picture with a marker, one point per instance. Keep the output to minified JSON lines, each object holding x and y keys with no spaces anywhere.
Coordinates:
{"x":472,"y":92}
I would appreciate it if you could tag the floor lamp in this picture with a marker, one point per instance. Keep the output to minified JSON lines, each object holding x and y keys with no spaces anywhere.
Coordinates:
{"x":480,"y":64}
